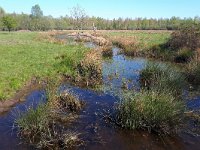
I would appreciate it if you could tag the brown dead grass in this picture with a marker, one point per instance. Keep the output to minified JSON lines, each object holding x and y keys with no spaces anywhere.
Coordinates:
{"x":90,"y":68}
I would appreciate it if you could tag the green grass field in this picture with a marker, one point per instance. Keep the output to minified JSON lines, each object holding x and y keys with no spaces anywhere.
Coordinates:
{"x":23,"y":56}
{"x":146,"y":39}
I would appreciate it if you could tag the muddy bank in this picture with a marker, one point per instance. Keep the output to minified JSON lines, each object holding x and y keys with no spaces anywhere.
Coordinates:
{"x":33,"y":84}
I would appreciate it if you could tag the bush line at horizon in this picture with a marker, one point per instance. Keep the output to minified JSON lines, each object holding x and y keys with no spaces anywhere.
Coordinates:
{"x":37,"y":21}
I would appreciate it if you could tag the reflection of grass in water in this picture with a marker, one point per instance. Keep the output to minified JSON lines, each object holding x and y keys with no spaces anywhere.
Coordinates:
{"x":114,"y":67}
{"x":117,"y":77}
{"x":193,"y":127}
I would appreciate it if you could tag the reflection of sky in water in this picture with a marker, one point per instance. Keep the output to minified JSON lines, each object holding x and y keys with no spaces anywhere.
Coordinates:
{"x":120,"y":70}
{"x":90,"y":45}
{"x":67,"y":38}
{"x":194,"y":103}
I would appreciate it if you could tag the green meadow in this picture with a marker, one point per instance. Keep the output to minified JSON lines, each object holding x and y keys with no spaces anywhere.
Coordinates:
{"x":23,"y":55}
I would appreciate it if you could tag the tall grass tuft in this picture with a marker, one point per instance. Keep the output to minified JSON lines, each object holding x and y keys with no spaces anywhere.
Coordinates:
{"x":33,"y":122}
{"x":161,"y":77}
{"x":184,"y":55}
{"x":158,"y":106}
{"x":129,"y":45}
{"x":193,"y":71}
{"x":107,"y":51}
{"x":188,"y":36}
{"x":42,"y":126}
{"x":152,"y":110}
{"x":90,"y":68}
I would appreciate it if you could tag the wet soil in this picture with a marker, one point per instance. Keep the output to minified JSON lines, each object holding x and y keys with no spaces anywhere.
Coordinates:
{"x":19,"y":96}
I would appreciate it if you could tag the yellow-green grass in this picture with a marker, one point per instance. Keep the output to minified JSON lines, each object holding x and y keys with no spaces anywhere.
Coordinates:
{"x":23,"y":56}
{"x":146,"y":39}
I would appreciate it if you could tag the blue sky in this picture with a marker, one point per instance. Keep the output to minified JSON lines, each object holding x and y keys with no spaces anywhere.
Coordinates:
{"x":110,"y":8}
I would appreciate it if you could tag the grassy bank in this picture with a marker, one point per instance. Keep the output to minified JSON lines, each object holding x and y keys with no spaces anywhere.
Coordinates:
{"x":137,"y":42}
{"x":25,"y":55}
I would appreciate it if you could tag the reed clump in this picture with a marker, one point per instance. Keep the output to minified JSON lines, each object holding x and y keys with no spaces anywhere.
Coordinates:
{"x":193,"y":71}
{"x":162,"y":77}
{"x":151,"y":110}
{"x":158,"y":106}
{"x":129,"y":45}
{"x":90,"y":68}
{"x":42,"y":126}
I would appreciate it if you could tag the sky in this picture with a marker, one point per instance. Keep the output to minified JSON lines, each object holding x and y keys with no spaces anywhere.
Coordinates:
{"x":109,"y":9}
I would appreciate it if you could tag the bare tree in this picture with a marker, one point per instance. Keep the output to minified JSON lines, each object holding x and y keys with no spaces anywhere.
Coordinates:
{"x":78,"y":14}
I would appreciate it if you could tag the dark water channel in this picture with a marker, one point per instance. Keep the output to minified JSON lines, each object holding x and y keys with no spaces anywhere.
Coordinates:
{"x":97,"y":132}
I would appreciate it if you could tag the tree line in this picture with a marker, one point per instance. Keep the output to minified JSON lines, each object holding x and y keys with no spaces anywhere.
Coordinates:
{"x":78,"y":19}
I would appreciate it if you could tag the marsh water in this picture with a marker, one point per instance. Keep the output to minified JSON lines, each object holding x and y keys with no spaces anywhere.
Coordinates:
{"x":96,"y":130}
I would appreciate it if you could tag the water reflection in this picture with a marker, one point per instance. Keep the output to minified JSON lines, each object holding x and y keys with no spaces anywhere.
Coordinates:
{"x":95,"y":129}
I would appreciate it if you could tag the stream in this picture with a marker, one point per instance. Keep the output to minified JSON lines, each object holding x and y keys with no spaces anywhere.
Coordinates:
{"x":97,"y":132}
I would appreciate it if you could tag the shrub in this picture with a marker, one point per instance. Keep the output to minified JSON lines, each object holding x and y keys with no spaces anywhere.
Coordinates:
{"x":184,"y":55}
{"x":161,"y":52}
{"x":90,"y":68}
{"x":152,"y":110}
{"x":107,"y":51}
{"x":187,"y":36}
{"x":193,"y":71}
